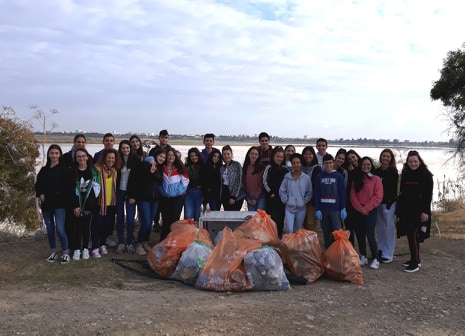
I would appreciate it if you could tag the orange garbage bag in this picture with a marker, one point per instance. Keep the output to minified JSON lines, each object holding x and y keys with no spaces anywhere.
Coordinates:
{"x":302,"y":252}
{"x":163,"y":257}
{"x":260,"y":228}
{"x":341,"y":261}
{"x":224,"y":270}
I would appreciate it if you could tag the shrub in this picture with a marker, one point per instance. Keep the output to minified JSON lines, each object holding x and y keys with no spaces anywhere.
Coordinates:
{"x":18,"y":154}
{"x":451,"y":195}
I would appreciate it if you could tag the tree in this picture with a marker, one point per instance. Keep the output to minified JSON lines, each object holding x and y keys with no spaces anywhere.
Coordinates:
{"x":42,"y":116}
{"x":18,"y":154}
{"x":450,"y":90}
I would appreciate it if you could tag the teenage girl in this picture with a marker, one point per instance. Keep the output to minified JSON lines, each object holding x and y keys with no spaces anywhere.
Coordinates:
{"x":52,"y":187}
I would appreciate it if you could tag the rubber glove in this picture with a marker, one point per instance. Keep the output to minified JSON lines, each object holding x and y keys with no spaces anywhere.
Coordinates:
{"x":343,"y":214}
{"x":318,"y":215}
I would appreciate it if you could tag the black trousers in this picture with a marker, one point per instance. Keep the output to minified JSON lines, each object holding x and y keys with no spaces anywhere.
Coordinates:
{"x":226,"y":196}
{"x":170,"y":208}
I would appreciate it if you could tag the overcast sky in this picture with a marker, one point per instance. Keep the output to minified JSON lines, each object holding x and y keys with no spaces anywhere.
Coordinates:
{"x":333,"y":68}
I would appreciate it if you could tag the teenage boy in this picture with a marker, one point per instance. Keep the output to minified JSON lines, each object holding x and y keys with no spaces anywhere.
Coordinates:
{"x":321,"y":147}
{"x":330,"y":199}
{"x":208,"y":141}
{"x":163,"y":138}
{"x":265,"y":149}
{"x":108,"y":143}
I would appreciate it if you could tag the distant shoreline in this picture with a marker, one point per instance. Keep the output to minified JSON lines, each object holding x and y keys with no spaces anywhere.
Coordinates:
{"x":249,"y":141}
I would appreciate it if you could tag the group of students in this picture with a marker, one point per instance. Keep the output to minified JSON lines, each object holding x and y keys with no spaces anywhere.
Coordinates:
{"x":84,"y":197}
{"x":350,"y":191}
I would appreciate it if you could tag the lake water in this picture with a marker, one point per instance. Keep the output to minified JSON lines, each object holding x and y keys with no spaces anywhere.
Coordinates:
{"x":437,"y":159}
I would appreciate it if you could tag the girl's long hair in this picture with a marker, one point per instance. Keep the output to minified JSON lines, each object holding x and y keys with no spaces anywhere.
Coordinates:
{"x":140,"y":152}
{"x":257,"y":167}
{"x":359,"y":174}
{"x":311,"y":150}
{"x":131,"y":157}
{"x":392,"y":162}
{"x":199,"y":155}
{"x":422,"y":167}
{"x":276,"y":150}
{"x":54,"y":146}
{"x":177,"y":162}
{"x":210,"y":162}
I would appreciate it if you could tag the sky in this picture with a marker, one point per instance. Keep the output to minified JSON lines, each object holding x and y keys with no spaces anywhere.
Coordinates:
{"x":293,"y":68}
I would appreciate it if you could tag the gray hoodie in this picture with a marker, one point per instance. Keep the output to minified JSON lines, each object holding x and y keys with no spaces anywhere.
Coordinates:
{"x":296,"y":193}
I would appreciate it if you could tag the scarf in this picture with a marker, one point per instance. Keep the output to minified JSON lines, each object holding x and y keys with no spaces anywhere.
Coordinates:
{"x":107,"y":173}
{"x":73,"y":152}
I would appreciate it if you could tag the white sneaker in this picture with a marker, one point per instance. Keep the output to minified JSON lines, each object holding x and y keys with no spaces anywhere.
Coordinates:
{"x":374,"y":264}
{"x":76,"y":255}
{"x":110,"y":242}
{"x":363,"y":260}
{"x":85,"y":254}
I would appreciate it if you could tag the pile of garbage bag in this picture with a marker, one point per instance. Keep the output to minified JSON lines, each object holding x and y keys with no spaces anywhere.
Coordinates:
{"x":251,"y":257}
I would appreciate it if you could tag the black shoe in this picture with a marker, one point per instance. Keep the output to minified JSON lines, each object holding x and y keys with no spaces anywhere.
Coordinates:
{"x":409,"y":262}
{"x":412,"y":268}
{"x":156,"y":227}
{"x":386,"y":260}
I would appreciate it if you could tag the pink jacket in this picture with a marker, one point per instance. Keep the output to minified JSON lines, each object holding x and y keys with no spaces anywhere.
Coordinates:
{"x":370,"y":196}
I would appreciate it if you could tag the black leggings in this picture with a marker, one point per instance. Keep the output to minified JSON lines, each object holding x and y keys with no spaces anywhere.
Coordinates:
{"x":81,"y":231}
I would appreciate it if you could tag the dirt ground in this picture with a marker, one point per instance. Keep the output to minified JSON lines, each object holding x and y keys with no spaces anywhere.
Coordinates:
{"x":99,"y":297}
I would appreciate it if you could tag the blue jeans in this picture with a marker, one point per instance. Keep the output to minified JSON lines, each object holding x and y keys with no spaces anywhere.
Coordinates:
{"x":192,"y":203}
{"x":261,"y":204}
{"x":294,"y":220}
{"x":331,"y":221}
{"x":214,"y":205}
{"x":121,"y":202}
{"x":365,"y":230}
{"x":56,"y":218}
{"x":147,"y":212}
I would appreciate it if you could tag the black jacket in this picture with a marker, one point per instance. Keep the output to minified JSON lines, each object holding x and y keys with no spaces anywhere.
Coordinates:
{"x":142,"y":184}
{"x":416,"y":193}
{"x":55,"y":184}
{"x":390,"y":179}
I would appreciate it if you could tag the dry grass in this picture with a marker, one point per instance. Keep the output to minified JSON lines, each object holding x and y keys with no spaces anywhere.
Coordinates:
{"x":449,"y":224}
{"x":24,"y":260}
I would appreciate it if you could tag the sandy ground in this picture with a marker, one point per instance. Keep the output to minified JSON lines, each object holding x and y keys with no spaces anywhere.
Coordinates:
{"x":98,"y":297}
